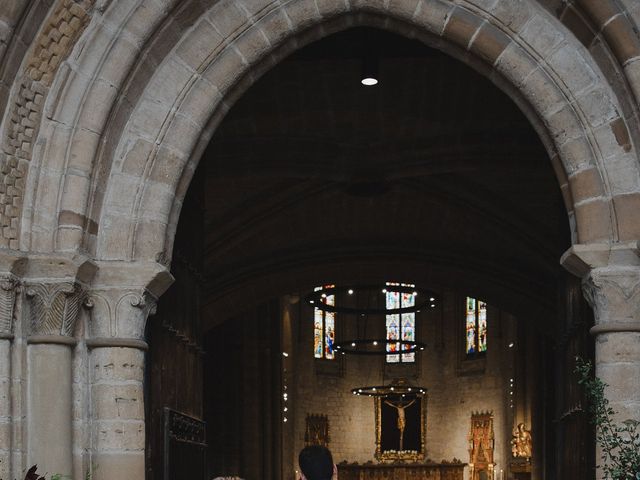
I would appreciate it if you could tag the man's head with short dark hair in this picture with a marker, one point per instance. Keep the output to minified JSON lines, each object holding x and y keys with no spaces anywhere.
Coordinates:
{"x":316,"y":463}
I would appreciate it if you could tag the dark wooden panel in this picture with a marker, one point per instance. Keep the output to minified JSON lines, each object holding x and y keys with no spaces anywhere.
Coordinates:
{"x":184,"y":446}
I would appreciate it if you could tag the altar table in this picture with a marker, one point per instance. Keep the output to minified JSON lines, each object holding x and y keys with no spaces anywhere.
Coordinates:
{"x":410,"y":471}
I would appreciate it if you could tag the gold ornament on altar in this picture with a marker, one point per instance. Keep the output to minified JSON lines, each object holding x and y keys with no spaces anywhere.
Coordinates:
{"x":401,"y":428}
{"x":521,"y":444}
{"x":317,"y":431}
{"x":481,"y":446}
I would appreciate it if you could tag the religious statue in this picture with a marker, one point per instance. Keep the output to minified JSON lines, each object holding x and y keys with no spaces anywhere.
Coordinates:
{"x":521,"y":445}
{"x":402,"y":423}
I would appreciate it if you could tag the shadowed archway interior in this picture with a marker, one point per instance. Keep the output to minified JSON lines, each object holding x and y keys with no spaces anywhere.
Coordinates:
{"x":432,"y":176}
{"x":433,"y":163}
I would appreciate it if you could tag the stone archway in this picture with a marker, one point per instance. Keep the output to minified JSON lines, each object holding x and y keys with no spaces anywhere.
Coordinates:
{"x":569,"y":101}
{"x":146,"y":85}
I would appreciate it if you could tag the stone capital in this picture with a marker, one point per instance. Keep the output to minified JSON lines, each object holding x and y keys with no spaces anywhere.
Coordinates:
{"x":53,"y":308}
{"x":55,"y":288}
{"x":614,"y":295}
{"x":610,"y":276}
{"x":8,"y":289}
{"x":122,"y":297}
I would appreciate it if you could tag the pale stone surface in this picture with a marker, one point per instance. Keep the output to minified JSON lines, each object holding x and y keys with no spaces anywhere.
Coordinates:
{"x":5,"y":408}
{"x":49,"y":421}
{"x":118,"y":431}
{"x":75,"y":83}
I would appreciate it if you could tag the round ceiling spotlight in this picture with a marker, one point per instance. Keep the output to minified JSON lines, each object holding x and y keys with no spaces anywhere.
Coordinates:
{"x":369,"y":74}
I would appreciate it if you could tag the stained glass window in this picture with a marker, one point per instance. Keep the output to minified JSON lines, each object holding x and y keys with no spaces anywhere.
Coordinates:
{"x":324,"y":328}
{"x":475,"y":326}
{"x":400,"y":326}
{"x":482,"y":327}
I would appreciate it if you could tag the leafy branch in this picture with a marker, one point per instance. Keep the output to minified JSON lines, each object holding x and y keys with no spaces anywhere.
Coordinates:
{"x":32,"y":474}
{"x":620,"y":442}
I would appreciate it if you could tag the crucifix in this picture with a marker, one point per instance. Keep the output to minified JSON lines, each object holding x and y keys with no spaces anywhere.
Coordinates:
{"x":400,"y":405}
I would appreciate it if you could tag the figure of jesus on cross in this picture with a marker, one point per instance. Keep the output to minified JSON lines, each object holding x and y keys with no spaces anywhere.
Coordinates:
{"x":400,"y":405}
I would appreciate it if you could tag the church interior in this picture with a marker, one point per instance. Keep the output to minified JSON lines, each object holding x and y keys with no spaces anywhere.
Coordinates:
{"x":317,"y":191}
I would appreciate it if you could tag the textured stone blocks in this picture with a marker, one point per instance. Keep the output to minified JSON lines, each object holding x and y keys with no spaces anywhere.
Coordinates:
{"x":489,"y":43}
{"x":461,"y":26}
{"x":117,"y":402}
{"x":627,"y":208}
{"x":117,"y":365}
{"x":593,"y":221}
{"x":119,"y":436}
{"x":586,"y":184}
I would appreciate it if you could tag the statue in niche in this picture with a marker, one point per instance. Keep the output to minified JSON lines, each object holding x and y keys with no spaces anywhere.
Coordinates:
{"x":402,"y":423}
{"x":521,"y":444}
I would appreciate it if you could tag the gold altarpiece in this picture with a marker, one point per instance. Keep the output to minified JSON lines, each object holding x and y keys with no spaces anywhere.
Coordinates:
{"x":401,"y":451}
{"x":408,"y":445}
{"x":481,"y":446}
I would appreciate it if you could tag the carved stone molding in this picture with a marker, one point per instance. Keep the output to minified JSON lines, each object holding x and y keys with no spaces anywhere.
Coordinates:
{"x":52,"y":46}
{"x":614,"y":295}
{"x":8,"y":288}
{"x":54,"y":308}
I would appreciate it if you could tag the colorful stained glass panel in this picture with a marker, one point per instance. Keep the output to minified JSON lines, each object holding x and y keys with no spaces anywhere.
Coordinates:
{"x":471,"y":326}
{"x":393,"y":333}
{"x":400,"y":326}
{"x":324,"y":328}
{"x":317,"y":333}
{"x":408,"y":334}
{"x":482,"y":326}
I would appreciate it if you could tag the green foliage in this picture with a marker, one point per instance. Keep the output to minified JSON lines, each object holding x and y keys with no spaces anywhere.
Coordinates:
{"x":32,"y":474}
{"x":620,"y":442}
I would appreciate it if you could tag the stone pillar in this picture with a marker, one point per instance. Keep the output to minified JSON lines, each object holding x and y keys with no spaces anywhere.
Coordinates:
{"x":52,"y":313}
{"x":8,"y":286}
{"x":12,"y":266}
{"x":614,"y":295}
{"x":54,"y":290}
{"x":122,"y":298}
{"x":611,"y":284}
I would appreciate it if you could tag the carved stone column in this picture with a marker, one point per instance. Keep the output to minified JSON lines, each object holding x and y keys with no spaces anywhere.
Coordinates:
{"x":122,"y":298}
{"x":53,"y":311}
{"x":611,"y":284}
{"x":11,"y":270}
{"x":54,"y":290}
{"x":8,"y":289}
{"x":614,"y":295}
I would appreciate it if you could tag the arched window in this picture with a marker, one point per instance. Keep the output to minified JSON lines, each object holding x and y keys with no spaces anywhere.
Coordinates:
{"x":400,"y":326}
{"x":324,"y":328}
{"x":476,"y":327}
